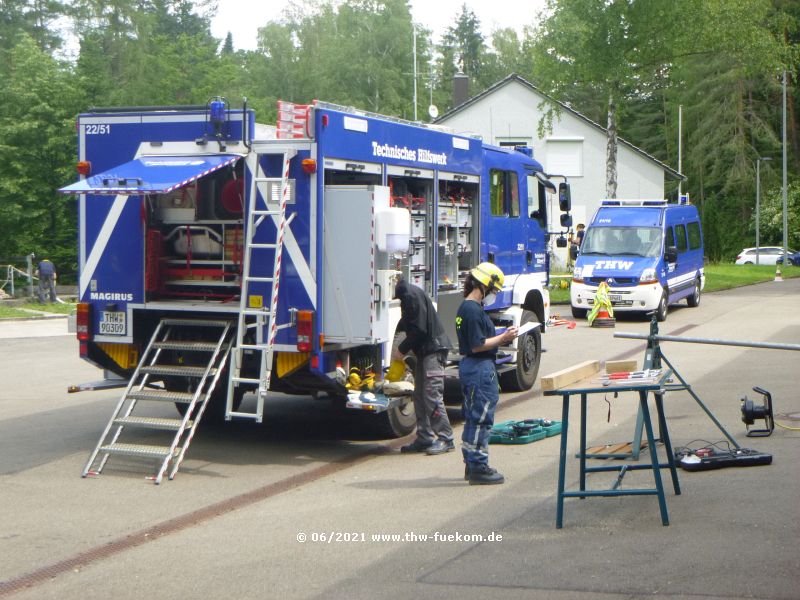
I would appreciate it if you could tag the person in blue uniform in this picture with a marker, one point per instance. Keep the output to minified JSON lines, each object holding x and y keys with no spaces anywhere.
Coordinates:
{"x":478,"y":343}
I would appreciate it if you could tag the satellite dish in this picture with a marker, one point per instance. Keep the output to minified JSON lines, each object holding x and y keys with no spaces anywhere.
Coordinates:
{"x":433,"y":111}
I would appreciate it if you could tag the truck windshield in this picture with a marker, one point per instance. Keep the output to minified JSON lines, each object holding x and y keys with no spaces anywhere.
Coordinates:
{"x":613,"y":241}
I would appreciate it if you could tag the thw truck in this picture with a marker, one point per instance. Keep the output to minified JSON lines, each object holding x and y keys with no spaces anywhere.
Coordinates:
{"x":219,"y":257}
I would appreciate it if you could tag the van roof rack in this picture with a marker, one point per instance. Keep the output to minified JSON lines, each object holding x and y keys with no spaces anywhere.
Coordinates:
{"x":616,"y":202}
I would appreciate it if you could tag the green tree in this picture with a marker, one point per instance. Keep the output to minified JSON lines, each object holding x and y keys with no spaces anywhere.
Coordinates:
{"x":38,"y":103}
{"x":772,"y":216}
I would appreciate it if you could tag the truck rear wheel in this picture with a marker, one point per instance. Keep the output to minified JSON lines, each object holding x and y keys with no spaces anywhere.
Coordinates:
{"x":396,"y":422}
{"x":529,"y":353}
{"x":215,"y":411}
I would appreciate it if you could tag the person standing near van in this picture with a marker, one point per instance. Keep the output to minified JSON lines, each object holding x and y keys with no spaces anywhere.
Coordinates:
{"x":478,"y":342}
{"x":426,"y":338}
{"x":575,"y":242}
{"x":46,"y":272}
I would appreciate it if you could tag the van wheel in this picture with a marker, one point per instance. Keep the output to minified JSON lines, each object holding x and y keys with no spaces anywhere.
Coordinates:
{"x":578,"y":313}
{"x":529,"y":353}
{"x":661,"y":311}
{"x":694,"y":299}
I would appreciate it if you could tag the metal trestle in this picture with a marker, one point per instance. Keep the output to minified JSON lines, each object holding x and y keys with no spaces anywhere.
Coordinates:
{"x":213,"y":351}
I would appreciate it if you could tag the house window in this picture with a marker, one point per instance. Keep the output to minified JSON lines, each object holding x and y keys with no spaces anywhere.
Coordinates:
{"x":512,"y":142}
{"x":565,"y":157}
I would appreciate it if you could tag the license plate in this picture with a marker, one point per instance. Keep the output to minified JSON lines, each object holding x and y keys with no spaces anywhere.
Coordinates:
{"x":112,"y":323}
{"x":615,"y":297}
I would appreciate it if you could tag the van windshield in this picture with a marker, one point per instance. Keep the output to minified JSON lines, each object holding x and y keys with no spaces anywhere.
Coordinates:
{"x":613,"y":241}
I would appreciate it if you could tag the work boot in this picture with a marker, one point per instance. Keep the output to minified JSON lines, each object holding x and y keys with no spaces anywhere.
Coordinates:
{"x":484,"y":475}
{"x":415,"y":446}
{"x":440,"y":447}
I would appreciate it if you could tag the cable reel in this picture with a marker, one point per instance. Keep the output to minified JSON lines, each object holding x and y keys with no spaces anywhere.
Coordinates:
{"x":751,"y":413}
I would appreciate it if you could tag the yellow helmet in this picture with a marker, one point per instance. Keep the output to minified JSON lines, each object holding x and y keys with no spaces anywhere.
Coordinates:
{"x":489,"y":275}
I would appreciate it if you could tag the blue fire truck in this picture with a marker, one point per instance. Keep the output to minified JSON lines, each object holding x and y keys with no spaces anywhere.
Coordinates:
{"x":218,"y":256}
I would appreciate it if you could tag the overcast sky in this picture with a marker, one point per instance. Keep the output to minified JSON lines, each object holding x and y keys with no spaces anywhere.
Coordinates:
{"x":243,"y":17}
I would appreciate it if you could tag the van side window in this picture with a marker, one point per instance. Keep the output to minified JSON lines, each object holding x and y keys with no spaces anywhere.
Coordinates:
{"x":694,"y":236}
{"x":680,"y":235}
{"x":670,"y":238}
{"x":504,"y":193}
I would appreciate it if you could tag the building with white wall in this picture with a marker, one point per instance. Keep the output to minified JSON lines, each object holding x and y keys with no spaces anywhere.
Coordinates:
{"x":508,"y":114}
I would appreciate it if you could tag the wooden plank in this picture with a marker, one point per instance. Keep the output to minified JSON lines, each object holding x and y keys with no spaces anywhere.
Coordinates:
{"x":563,"y":378}
{"x":620,"y":366}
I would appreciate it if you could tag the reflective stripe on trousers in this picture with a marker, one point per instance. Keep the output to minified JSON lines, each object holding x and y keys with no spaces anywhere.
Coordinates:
{"x":481,"y":393}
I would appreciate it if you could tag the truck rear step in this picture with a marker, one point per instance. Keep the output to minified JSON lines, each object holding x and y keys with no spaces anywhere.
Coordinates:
{"x":200,"y":380}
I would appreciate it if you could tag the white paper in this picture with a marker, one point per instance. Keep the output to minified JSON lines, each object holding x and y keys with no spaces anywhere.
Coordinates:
{"x":525,"y":328}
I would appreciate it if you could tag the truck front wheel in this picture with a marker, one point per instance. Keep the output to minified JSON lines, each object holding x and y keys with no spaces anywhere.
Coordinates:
{"x":529,"y":353}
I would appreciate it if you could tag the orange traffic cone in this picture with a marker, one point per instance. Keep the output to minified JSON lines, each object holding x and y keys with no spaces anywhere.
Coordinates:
{"x":603,"y":319}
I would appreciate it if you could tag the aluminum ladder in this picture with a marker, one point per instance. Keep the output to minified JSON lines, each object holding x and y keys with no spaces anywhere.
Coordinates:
{"x":253,"y":314}
{"x":200,"y":383}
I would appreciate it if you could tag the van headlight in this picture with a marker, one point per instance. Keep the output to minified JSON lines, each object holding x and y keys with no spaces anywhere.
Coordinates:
{"x":576,"y":275}
{"x":648,"y":276}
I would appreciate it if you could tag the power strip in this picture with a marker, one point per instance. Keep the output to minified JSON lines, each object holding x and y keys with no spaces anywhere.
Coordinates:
{"x":706,"y":459}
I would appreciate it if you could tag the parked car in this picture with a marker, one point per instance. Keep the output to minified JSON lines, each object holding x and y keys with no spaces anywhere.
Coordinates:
{"x":794,"y":259}
{"x":767,"y":255}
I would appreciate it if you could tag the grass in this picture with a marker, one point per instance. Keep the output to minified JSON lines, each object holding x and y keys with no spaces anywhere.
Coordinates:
{"x":24,"y":310}
{"x":54,"y":307}
{"x":9,"y":312}
{"x":718,"y":277}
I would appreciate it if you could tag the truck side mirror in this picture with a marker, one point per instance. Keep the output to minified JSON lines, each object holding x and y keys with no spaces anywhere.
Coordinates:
{"x":564,"y":198}
{"x":671,"y":254}
{"x":566,"y":220}
{"x":561,"y":242}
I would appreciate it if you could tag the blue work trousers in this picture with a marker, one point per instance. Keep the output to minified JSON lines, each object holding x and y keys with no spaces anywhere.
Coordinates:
{"x":481,"y":393}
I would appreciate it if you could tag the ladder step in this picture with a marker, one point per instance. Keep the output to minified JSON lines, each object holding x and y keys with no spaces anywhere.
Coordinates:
{"x":152,"y":423}
{"x":197,"y":322}
{"x":253,"y":347}
{"x":136,"y":450}
{"x":256,"y":312}
{"x":264,"y":246}
{"x":258,"y":279}
{"x":161,"y":395}
{"x":186,"y":345}
{"x":176,"y":370}
{"x":243,"y":415}
{"x":258,"y":213}
{"x":246,"y":380}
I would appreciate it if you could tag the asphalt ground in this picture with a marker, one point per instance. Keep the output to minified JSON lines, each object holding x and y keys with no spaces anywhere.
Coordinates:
{"x":300,"y":507}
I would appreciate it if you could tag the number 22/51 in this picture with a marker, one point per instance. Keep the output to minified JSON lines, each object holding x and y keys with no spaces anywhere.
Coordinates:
{"x":98,"y":129}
